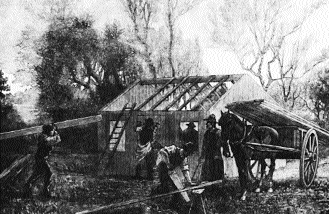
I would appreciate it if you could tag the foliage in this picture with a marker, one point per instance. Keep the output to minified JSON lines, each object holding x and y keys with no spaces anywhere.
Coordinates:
{"x":10,"y":119}
{"x":79,"y":70}
{"x":319,"y":98}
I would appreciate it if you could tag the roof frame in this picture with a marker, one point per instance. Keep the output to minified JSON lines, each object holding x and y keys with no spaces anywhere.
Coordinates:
{"x":155,"y":94}
{"x":213,"y":90}
{"x":182,"y":94}
{"x":210,"y":78}
{"x":169,"y":93}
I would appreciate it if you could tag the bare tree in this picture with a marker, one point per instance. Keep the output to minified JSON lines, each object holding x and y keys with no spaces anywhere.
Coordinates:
{"x":259,"y":34}
{"x":174,"y":10}
{"x":48,"y":10}
{"x":142,"y":13}
{"x":157,"y":39}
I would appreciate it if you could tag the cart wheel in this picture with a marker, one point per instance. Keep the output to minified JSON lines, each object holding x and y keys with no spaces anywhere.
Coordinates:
{"x":309,"y":158}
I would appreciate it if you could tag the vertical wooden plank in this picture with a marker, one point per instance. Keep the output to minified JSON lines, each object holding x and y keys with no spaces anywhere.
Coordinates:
{"x":101,"y":133}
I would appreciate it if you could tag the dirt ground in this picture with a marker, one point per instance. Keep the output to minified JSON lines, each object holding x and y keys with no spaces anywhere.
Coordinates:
{"x":75,"y":192}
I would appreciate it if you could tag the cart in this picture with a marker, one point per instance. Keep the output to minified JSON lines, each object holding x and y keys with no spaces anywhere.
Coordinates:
{"x":299,"y":138}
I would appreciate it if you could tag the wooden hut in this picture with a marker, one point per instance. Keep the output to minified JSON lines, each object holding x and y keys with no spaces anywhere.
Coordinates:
{"x":172,"y":102}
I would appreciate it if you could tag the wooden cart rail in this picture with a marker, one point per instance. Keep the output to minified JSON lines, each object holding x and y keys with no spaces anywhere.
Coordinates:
{"x":273,"y":147}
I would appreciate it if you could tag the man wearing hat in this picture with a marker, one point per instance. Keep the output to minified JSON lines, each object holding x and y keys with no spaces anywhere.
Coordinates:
{"x":173,"y":171}
{"x":191,"y":135}
{"x":213,"y":166}
{"x":144,"y":147}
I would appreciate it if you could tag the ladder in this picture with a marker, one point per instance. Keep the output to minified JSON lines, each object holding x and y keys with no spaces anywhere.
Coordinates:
{"x":115,"y":137}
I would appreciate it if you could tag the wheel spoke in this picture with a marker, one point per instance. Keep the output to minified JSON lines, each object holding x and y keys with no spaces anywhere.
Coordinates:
{"x":312,"y":168}
{"x":307,"y":164}
{"x":308,"y":177}
{"x":313,"y":143}
{"x":309,"y":143}
{"x":253,"y":164}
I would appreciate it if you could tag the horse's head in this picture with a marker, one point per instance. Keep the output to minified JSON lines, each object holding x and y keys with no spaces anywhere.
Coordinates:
{"x":231,"y":126}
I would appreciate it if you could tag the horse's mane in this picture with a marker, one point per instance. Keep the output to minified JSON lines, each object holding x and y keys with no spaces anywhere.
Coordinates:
{"x":237,"y":120}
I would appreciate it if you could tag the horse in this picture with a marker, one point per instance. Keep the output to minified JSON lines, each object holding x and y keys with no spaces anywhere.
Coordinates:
{"x":237,"y":133}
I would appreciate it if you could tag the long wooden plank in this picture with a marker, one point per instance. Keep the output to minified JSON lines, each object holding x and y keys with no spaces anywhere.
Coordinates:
{"x":60,"y":125}
{"x":134,"y":201}
{"x":169,"y":93}
{"x":154,"y":94}
{"x":15,"y":168}
{"x":181,"y":94}
{"x":210,"y":78}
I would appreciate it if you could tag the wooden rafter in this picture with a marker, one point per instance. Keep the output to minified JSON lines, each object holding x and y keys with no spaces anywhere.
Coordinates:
{"x":155,"y":94}
{"x":209,"y":93}
{"x":181,"y":94}
{"x":169,"y":93}
{"x":196,"y":93}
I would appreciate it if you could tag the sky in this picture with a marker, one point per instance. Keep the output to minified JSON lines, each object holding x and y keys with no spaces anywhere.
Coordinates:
{"x":195,"y":24}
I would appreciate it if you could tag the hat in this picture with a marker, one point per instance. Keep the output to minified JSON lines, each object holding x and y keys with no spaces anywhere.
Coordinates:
{"x":211,"y":118}
{"x":190,"y":124}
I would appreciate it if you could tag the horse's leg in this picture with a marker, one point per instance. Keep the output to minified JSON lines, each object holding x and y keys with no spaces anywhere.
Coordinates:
{"x":246,"y":178}
{"x":239,"y":160}
{"x":270,"y":174}
{"x":262,"y":173}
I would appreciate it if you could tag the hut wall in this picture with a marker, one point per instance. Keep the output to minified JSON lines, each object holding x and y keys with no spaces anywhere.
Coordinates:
{"x":124,"y":162}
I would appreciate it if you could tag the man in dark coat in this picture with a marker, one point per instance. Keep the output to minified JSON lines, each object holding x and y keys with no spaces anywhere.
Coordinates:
{"x":191,"y":135}
{"x":213,"y":166}
{"x":144,"y":147}
{"x":46,"y":140}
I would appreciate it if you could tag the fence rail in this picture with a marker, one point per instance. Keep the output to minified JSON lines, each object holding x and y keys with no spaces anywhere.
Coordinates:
{"x":60,"y":125}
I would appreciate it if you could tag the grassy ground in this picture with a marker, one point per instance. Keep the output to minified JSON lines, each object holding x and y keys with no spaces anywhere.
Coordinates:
{"x":73,"y":193}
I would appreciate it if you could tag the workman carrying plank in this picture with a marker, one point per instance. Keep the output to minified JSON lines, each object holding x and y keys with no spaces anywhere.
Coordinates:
{"x":47,"y":139}
{"x":173,"y":170}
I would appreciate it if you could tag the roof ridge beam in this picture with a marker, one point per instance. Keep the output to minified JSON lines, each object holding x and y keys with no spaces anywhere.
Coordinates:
{"x":191,"y":79}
